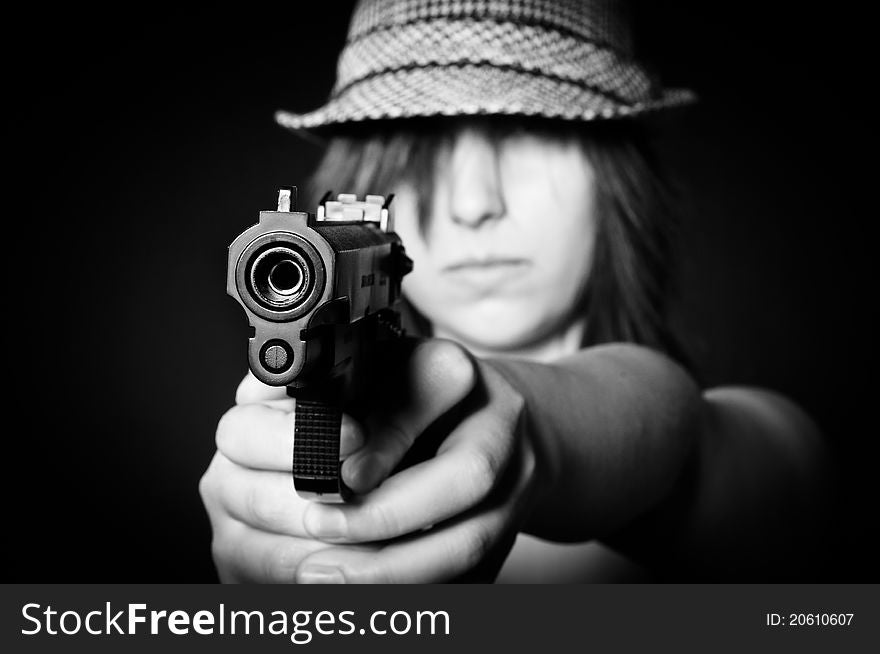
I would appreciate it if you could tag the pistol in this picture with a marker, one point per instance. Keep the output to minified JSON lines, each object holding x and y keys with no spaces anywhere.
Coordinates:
{"x":321,"y":293}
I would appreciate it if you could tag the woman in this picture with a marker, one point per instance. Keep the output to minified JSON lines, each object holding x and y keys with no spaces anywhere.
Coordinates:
{"x":538,"y":224}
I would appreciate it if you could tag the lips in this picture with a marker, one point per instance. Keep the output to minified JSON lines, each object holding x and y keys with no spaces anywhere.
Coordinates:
{"x":486,"y":274}
{"x":485,"y":263}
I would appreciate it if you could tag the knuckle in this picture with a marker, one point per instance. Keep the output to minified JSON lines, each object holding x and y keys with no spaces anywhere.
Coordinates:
{"x":452,"y":362}
{"x":397,"y":438}
{"x":517,"y":403}
{"x":206,"y":486}
{"x":226,"y":429}
{"x":482,"y":471}
{"x":209,"y":485}
{"x":478,"y":544}
{"x":380,"y":520}
{"x":222,"y":550}
{"x":458,"y":364}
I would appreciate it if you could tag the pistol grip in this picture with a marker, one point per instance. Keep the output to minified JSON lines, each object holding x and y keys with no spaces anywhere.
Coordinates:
{"x":317,"y":473}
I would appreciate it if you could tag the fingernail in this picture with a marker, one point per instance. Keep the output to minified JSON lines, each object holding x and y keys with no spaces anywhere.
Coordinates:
{"x":324,"y":522}
{"x":320,"y":574}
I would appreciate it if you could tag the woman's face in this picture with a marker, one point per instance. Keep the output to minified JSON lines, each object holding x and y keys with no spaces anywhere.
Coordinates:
{"x":503,"y":260}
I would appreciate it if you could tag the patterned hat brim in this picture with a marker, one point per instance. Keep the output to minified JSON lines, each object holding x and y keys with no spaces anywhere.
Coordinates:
{"x":474,"y":90}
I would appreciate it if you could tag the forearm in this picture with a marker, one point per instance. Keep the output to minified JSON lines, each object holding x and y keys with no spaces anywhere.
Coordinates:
{"x":720,"y":483}
{"x":614,"y":426}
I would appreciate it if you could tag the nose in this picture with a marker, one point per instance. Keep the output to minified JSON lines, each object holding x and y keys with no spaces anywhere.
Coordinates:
{"x":476,"y":194}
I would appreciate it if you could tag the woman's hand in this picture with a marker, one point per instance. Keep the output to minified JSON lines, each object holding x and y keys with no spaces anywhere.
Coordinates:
{"x":255,"y":514}
{"x":455,"y":514}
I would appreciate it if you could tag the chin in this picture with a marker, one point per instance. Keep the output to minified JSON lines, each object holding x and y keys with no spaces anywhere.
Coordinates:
{"x":500,"y":330}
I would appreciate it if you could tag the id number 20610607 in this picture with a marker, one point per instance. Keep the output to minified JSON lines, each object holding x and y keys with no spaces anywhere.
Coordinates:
{"x":809,"y":619}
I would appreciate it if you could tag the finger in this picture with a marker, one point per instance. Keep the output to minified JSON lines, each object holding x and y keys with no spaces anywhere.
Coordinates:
{"x":260,"y":437}
{"x":351,"y":435}
{"x":460,"y":476}
{"x":245,"y":555}
{"x":252,"y":391}
{"x":264,"y":500}
{"x":440,"y":554}
{"x":440,"y":375}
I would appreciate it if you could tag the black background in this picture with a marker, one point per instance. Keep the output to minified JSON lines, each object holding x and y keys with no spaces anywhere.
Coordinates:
{"x":143,"y":143}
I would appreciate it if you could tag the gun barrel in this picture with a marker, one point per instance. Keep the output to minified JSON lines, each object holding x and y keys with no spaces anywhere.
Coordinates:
{"x":280,"y":277}
{"x":320,"y":294}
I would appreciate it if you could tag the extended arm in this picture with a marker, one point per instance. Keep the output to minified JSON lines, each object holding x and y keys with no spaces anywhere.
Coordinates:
{"x":615,"y":442}
{"x":718,"y":483}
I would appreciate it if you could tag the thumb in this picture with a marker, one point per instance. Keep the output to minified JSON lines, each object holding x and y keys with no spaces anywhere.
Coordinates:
{"x":435,"y":378}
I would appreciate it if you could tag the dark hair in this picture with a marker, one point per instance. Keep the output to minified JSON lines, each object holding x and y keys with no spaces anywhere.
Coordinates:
{"x":629,"y":281}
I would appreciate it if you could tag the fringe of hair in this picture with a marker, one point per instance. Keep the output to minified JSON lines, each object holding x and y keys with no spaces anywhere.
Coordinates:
{"x":630,"y":279}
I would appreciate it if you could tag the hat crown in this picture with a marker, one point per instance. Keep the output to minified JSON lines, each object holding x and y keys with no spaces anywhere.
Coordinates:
{"x":584,"y":42}
{"x":604,"y":22}
{"x":565,"y":59}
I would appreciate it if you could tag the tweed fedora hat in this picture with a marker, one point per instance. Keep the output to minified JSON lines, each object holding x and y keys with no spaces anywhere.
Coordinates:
{"x":565,"y":59}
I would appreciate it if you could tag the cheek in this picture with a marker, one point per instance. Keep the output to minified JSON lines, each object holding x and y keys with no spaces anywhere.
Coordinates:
{"x":564,"y":259}
{"x":558,"y":219}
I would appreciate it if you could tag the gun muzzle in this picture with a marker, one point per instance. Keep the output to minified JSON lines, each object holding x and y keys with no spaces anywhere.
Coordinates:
{"x":280,"y":277}
{"x":319,"y":292}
